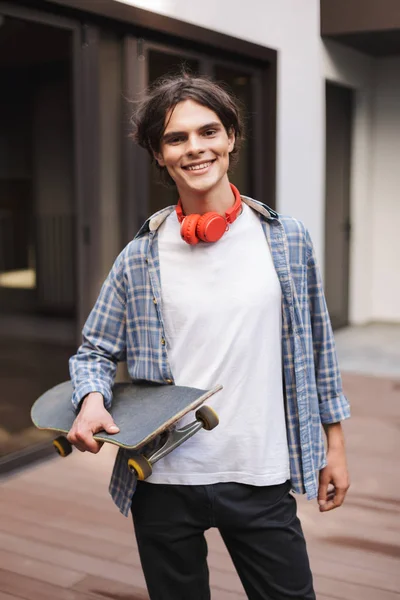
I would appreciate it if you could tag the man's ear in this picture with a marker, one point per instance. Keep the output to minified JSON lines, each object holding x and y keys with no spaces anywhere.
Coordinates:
{"x":159,"y":158}
{"x":232,"y":139}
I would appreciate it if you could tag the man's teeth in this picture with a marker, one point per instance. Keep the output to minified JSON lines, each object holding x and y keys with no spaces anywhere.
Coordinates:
{"x":198,"y":167}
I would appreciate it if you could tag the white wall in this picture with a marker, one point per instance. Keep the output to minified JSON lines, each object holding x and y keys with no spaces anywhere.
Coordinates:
{"x":291,"y":27}
{"x":375,"y":183}
{"x":385,"y":190}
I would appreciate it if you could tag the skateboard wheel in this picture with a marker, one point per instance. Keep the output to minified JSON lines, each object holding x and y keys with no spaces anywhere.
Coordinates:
{"x":140,"y":466}
{"x":208,"y":417}
{"x":62,"y":445}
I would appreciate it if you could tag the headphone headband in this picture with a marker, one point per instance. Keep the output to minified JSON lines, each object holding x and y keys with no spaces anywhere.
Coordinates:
{"x":231,"y":214}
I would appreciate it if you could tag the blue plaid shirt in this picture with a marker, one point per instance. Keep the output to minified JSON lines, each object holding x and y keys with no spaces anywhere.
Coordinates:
{"x":126,"y":324}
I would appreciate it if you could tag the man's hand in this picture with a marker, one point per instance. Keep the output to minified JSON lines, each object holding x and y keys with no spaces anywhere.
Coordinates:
{"x":334,"y":478}
{"x":92,"y":418}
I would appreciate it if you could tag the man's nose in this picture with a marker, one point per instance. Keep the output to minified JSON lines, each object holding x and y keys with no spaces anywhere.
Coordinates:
{"x":195,"y":145}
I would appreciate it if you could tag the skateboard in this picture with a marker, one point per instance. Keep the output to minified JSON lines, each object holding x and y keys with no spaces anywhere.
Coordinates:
{"x":146,"y":415}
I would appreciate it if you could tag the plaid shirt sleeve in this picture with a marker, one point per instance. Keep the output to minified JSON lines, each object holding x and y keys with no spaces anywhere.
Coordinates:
{"x":93,"y":367}
{"x":333,"y":404}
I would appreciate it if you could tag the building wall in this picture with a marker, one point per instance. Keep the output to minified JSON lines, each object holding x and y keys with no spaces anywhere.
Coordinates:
{"x":292,"y":28}
{"x":385,"y":190}
{"x":375,"y":209}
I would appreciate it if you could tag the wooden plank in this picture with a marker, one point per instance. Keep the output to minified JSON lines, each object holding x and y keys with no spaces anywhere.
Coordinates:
{"x":375,"y":580}
{"x":32,"y":589}
{"x":225,"y":580}
{"x":60,"y":539}
{"x":225,"y":595}
{"x":129,"y":557}
{"x":215,"y":541}
{"x":76,"y":561}
{"x":351,"y":591}
{"x":62,"y":492}
{"x":62,"y":510}
{"x":4,"y":596}
{"x":38,"y":569}
{"x":100,"y":533}
{"x":357,"y":557}
{"x":84,"y":468}
{"x":57,"y":487}
{"x":104,"y":588}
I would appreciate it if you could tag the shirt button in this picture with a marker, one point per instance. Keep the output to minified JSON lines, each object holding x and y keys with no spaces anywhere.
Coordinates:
{"x":154,"y":300}
{"x":169,"y":381}
{"x":162,"y":341}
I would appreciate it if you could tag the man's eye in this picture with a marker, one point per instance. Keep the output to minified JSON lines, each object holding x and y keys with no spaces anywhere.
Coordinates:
{"x":210,"y":132}
{"x":175,"y":140}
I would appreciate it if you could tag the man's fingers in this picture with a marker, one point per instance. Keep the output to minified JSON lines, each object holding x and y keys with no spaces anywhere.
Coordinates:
{"x":84,"y":441}
{"x":323,"y":490}
{"x":83,"y":430}
{"x":80,"y":447}
{"x":87,"y":441}
{"x":340,"y":493}
{"x":76,"y":444}
{"x":335,"y":499}
{"x":329,"y":505}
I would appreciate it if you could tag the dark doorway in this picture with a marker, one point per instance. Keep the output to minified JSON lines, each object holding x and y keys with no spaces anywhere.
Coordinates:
{"x":37,"y":222}
{"x":339,"y":116}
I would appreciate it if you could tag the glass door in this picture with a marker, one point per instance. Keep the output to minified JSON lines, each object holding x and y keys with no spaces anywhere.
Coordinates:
{"x":38,"y":280}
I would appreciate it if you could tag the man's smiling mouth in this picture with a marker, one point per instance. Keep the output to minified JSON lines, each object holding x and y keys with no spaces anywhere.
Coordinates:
{"x":199,"y":166}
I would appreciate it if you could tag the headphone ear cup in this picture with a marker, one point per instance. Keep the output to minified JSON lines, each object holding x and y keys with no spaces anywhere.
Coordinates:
{"x":211,"y":227}
{"x":188,"y":229}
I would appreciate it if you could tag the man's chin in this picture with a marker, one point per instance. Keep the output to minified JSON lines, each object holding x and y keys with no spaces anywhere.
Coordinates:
{"x":201,"y":186}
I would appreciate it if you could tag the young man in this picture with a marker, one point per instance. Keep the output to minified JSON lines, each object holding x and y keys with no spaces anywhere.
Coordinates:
{"x":220,"y":289}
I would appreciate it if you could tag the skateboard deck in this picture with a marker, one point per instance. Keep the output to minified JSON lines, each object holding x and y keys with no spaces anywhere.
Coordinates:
{"x":142,"y":412}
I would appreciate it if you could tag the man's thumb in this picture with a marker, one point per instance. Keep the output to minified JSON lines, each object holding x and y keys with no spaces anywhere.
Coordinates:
{"x":111,"y":427}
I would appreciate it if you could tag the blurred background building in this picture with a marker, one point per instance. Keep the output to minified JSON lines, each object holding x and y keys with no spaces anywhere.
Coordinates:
{"x":320,"y":83}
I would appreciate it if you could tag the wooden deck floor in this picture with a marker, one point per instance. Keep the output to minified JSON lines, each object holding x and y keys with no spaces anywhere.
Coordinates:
{"x":62,"y":538}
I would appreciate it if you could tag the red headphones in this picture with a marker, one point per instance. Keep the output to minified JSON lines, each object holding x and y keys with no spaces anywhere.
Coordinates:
{"x":209,"y":227}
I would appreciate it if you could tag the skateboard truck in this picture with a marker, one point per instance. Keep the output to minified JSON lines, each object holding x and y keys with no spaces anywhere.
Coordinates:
{"x":142,"y":466}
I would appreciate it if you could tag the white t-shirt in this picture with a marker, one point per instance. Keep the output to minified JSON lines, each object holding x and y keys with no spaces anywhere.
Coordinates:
{"x":221,"y":306}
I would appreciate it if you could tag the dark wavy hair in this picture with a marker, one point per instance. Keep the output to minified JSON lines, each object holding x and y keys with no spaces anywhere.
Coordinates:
{"x":166,"y":92}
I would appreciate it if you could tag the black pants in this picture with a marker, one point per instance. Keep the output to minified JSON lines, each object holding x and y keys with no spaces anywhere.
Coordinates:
{"x":259,"y":526}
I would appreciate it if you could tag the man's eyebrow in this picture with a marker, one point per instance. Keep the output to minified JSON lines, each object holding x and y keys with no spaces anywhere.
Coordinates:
{"x":171,"y":134}
{"x":211,"y":125}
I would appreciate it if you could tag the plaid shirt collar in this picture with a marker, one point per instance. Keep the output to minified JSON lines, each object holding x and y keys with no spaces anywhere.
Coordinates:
{"x":154,"y":222}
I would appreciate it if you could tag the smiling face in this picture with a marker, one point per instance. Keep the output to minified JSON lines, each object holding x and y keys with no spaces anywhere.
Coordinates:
{"x":195,"y":148}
